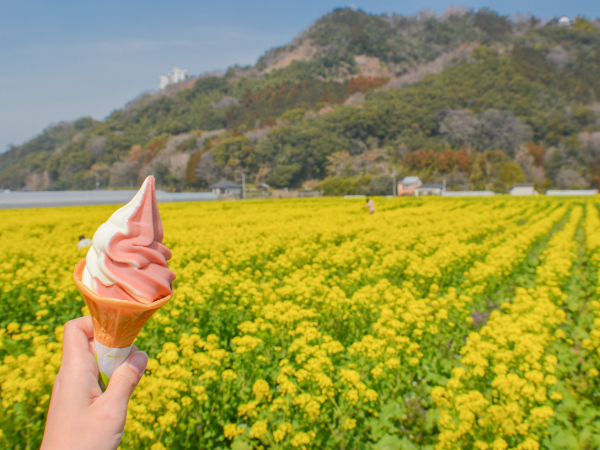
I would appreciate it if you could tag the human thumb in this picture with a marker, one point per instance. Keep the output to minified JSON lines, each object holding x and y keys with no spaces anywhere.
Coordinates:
{"x":125,"y":379}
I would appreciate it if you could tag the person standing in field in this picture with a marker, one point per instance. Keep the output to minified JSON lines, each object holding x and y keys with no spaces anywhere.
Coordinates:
{"x":83,"y":242}
{"x":371,"y":205}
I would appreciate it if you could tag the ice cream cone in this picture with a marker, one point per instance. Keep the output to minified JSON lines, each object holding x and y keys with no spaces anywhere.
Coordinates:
{"x":116,"y":322}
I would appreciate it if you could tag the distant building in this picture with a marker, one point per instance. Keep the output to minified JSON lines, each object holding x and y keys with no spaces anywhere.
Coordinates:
{"x":175,"y":76}
{"x":585,"y":192}
{"x":408,"y":185}
{"x":225,"y":187}
{"x":564,"y":21}
{"x":263,"y":187}
{"x":468,"y":194}
{"x":523,"y":189}
{"x":429,"y":189}
{"x":259,"y":191}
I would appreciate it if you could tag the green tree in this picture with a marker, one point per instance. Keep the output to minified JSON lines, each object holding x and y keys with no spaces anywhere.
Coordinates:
{"x":293,"y":115}
{"x":510,"y":173}
{"x":582,"y":24}
{"x":336,"y":186}
{"x":553,"y":164}
{"x":235,"y":152}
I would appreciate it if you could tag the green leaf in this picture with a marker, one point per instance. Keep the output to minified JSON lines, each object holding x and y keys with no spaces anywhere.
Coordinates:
{"x":388,"y":442}
{"x":239,"y":444}
{"x":565,"y":440}
{"x":431,"y":419}
{"x":436,"y":378}
{"x":378,"y":428}
{"x":103,"y":381}
{"x":586,"y":416}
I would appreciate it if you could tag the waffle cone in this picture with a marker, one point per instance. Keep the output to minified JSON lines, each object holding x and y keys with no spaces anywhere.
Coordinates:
{"x":116,"y":322}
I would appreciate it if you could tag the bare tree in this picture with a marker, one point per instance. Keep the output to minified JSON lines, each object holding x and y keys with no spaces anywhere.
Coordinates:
{"x":502,"y":130}
{"x":178,"y":166}
{"x":124,"y":173}
{"x":524,"y":159}
{"x":492,"y":130}
{"x":456,"y":11}
{"x":226,"y":102}
{"x":97,"y":144}
{"x":261,"y":175}
{"x":569,"y":178}
{"x":101,"y":173}
{"x":371,"y":162}
{"x":458,"y":125}
{"x":205,"y":170}
{"x":455,"y":181}
{"x":590,"y":142}
{"x":339,"y":164}
{"x":558,"y":56}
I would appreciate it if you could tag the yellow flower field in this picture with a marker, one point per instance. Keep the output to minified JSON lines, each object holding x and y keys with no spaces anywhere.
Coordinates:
{"x":309,"y":324}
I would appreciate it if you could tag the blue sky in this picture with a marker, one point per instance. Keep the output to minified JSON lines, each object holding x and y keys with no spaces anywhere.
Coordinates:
{"x":68,"y":59}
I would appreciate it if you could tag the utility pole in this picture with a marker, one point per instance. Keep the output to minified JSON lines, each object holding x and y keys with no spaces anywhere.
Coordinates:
{"x":244,"y":186}
{"x":394,"y":187}
{"x":444,"y":190}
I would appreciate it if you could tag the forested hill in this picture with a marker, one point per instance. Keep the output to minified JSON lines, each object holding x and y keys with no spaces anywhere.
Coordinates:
{"x":475,"y":98}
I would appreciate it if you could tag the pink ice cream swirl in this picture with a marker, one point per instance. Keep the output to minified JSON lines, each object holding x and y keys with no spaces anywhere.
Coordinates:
{"x":127,"y":260}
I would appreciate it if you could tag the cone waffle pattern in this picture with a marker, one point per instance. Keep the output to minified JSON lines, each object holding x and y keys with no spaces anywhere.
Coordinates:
{"x":116,"y":322}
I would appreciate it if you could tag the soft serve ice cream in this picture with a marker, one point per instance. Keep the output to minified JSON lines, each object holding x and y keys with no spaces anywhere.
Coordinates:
{"x":125,"y":278}
{"x":127,"y":260}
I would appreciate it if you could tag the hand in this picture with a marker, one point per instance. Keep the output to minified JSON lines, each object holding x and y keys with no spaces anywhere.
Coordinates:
{"x":81,"y":417}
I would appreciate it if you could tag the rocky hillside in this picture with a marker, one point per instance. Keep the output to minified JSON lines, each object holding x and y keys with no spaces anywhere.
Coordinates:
{"x":472,"y":97}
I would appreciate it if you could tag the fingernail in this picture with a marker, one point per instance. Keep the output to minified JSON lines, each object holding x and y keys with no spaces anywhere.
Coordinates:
{"x":139,"y":361}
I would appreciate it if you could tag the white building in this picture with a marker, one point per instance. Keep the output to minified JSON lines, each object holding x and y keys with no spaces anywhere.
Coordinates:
{"x":225,"y":187}
{"x":175,"y":76}
{"x":564,"y":21}
{"x":429,"y":189}
{"x":573,"y":192}
{"x":523,"y":189}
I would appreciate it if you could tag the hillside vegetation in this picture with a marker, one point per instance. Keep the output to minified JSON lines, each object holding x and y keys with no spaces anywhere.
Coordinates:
{"x":471,"y":97}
